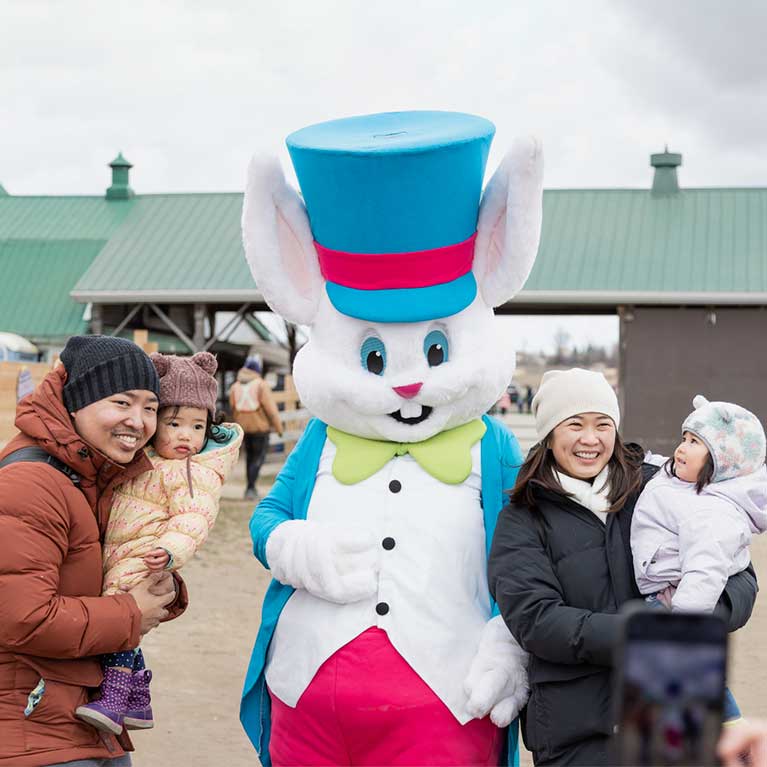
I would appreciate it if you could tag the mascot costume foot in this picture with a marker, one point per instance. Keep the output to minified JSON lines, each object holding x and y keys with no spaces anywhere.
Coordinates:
{"x":379,"y":641}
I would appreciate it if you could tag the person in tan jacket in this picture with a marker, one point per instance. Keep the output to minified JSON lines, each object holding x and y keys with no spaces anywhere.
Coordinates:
{"x":255,"y":410}
{"x":92,"y":416}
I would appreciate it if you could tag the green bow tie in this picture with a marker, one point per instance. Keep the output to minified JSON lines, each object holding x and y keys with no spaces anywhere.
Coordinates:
{"x":446,"y":456}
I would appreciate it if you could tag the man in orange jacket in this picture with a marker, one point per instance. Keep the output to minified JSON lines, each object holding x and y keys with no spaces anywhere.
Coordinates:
{"x":93,"y":416}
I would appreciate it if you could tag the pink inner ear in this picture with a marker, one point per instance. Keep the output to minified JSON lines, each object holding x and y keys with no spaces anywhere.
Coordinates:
{"x":496,"y":244}
{"x":293,"y":256}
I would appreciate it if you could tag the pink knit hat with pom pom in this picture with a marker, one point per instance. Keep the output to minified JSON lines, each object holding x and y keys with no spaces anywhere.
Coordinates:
{"x":187,"y":381}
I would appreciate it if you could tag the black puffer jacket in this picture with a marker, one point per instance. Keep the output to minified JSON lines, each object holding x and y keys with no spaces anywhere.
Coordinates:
{"x":559,"y":576}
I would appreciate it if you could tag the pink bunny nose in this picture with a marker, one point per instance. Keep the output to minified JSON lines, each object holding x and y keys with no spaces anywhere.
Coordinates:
{"x":409,"y":391}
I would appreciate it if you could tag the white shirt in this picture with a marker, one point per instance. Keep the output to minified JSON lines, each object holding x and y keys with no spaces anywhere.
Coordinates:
{"x":433,"y":581}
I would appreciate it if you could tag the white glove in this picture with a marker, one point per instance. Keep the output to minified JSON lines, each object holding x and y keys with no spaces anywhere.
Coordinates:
{"x":497,"y":680}
{"x":332,"y":563}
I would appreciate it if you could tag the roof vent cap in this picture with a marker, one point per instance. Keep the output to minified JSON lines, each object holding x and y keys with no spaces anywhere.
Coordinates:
{"x":665,"y":181}
{"x":120,"y":189}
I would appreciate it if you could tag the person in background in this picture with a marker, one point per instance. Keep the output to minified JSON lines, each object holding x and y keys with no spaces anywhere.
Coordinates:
{"x":529,"y":398}
{"x":254,"y":409}
{"x":88,"y":421}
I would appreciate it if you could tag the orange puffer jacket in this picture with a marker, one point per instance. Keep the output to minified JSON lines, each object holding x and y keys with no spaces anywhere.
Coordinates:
{"x":54,"y":623}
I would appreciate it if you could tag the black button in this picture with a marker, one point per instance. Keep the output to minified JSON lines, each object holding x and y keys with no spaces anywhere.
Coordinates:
{"x":395,"y":486}
{"x":382,"y":608}
{"x":644,"y":564}
{"x":388,"y":543}
{"x":83,"y":452}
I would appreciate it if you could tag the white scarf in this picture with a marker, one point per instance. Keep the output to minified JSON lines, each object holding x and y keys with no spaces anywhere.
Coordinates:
{"x":591,"y":495}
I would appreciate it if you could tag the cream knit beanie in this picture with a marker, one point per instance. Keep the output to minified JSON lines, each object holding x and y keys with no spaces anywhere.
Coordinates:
{"x":565,"y":393}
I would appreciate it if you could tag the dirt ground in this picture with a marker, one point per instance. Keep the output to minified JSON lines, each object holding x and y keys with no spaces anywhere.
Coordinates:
{"x":199,"y":661}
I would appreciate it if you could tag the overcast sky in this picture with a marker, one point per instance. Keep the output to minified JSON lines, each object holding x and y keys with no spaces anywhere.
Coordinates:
{"x":189,"y":90}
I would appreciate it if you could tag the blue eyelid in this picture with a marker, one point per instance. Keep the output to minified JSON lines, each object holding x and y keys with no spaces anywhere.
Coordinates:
{"x":436,"y":337}
{"x":372,"y":345}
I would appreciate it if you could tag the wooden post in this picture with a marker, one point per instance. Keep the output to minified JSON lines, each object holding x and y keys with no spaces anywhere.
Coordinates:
{"x":97,"y":319}
{"x":291,"y":398}
{"x":141,"y":338}
{"x":198,"y":337}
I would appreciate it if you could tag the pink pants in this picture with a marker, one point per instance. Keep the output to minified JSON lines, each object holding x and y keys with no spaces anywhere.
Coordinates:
{"x":366,"y":706}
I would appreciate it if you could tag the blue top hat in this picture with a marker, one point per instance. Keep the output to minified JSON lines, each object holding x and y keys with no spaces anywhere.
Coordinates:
{"x":393,"y":201}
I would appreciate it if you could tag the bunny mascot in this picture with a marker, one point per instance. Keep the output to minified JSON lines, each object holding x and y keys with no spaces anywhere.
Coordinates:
{"x":379,"y":642}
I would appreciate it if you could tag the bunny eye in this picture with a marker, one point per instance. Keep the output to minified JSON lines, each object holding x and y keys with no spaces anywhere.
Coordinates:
{"x":435,"y":348}
{"x":373,"y":355}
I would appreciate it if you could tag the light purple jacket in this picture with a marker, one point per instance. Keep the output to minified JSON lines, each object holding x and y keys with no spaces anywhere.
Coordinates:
{"x":696,"y":542}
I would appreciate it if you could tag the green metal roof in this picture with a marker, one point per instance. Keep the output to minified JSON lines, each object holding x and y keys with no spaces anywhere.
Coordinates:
{"x":174,"y":247}
{"x":120,"y":162}
{"x":60,"y":218}
{"x":607,"y":246}
{"x":626,"y":245}
{"x":46,"y":244}
{"x":697,"y":246}
{"x":33,"y":300}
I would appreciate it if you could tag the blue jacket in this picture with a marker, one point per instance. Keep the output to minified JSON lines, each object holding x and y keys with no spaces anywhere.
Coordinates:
{"x":289,"y":499}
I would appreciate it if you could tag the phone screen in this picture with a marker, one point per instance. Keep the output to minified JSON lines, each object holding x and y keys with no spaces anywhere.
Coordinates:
{"x":671,"y":690}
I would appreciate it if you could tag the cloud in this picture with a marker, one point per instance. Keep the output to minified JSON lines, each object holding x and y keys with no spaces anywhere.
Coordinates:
{"x":189,"y":91}
{"x":702,"y":65}
{"x":724,"y":43}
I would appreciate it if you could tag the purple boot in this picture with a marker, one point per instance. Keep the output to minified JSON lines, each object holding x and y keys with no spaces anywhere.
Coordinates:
{"x":138,"y":712}
{"x":106,"y":712}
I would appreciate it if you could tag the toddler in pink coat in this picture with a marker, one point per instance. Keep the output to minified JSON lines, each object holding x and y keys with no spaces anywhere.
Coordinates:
{"x":160,"y":518}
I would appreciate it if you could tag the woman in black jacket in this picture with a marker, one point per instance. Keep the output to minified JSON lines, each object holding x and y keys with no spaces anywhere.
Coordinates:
{"x":560,"y":566}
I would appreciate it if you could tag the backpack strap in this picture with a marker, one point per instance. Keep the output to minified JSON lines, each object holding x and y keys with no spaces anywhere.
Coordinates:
{"x":38,"y":455}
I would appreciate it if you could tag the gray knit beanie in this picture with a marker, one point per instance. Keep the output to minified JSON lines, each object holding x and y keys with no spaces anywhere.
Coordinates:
{"x":565,"y":393}
{"x":733,"y":435}
{"x":100,"y":366}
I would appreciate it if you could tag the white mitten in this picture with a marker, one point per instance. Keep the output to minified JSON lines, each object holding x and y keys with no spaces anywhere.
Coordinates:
{"x":497,"y":680}
{"x":332,"y":563}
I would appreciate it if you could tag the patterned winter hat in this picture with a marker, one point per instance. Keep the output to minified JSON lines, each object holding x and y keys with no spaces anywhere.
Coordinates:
{"x":187,"y":381}
{"x":733,"y":435}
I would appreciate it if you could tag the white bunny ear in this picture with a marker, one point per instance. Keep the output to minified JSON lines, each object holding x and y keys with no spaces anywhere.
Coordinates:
{"x":509,"y":225}
{"x":699,"y":401}
{"x":278,"y":243}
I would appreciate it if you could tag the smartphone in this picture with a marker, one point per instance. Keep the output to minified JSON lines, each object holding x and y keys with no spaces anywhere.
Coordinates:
{"x":669,"y":689}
